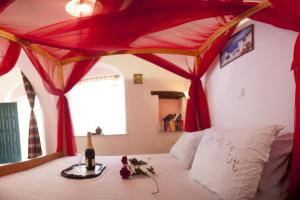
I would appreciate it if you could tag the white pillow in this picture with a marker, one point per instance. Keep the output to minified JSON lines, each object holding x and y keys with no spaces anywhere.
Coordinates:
{"x":185,"y":147}
{"x":230,"y":162}
{"x":275,"y":169}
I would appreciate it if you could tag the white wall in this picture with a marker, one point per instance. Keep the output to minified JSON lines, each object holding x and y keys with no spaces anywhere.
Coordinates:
{"x":9,"y":82}
{"x":13,"y":80}
{"x":47,"y":102}
{"x":142,"y":115}
{"x":264,"y":75}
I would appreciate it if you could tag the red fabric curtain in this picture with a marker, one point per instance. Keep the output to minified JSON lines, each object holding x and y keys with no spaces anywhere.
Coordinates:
{"x":4,"y":4}
{"x":9,"y":54}
{"x":197,"y":113}
{"x":286,"y":14}
{"x":197,"y":102}
{"x":72,"y":33}
{"x":59,"y":85}
{"x":294,"y":192}
{"x":76,"y":34}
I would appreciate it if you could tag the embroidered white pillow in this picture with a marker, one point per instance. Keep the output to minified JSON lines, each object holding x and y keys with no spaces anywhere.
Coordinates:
{"x":230,"y":162}
{"x":185,"y":147}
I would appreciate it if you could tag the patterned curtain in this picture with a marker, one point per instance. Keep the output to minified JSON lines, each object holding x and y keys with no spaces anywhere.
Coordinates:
{"x":34,"y":144}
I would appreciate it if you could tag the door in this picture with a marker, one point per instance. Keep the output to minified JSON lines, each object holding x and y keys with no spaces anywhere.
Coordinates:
{"x":10,"y":148}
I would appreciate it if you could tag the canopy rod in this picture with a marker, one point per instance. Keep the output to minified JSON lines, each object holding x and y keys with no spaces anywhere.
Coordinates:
{"x":37,"y":49}
{"x":264,"y":4}
{"x":192,"y":52}
{"x":197,"y":65}
{"x":60,"y":76}
{"x":27,"y":44}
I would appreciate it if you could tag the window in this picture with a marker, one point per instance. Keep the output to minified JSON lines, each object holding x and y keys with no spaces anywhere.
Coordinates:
{"x":10,"y":148}
{"x":12,"y":91}
{"x":98,"y":102}
{"x":24,"y":116}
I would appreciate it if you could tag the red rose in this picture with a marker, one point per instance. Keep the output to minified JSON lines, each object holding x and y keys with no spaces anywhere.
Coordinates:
{"x":134,"y":161}
{"x":125,"y":173}
{"x":124,"y":160}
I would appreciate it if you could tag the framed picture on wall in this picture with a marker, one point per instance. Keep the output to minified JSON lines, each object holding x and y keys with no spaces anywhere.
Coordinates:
{"x":239,"y":44}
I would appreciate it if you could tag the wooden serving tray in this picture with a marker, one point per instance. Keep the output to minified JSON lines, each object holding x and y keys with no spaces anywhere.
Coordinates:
{"x":80,"y":172}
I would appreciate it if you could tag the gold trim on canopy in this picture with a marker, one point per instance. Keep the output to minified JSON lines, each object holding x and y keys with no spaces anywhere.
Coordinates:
{"x":197,"y":65}
{"x":264,"y":4}
{"x":60,"y":76}
{"x":192,"y":52}
{"x":27,"y":44}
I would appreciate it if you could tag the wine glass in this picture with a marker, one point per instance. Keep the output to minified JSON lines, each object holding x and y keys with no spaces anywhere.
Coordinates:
{"x":79,"y":159}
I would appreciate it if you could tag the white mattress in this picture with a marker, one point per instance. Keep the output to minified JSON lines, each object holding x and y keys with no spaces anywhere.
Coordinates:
{"x":46,"y":183}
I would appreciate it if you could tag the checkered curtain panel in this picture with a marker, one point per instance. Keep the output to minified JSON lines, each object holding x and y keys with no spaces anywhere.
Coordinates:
{"x":34,"y":144}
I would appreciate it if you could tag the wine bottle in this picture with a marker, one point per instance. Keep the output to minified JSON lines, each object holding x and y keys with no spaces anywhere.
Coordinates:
{"x":89,"y":153}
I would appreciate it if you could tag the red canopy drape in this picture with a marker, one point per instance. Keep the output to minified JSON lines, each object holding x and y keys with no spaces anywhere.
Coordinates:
{"x":114,"y":31}
{"x":286,"y":14}
{"x":294,"y":192}
{"x":197,"y":114}
{"x":140,"y":24}
{"x":9,"y":54}
{"x":58,"y":83}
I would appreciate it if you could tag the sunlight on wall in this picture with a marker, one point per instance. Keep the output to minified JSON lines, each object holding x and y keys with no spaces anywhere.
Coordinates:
{"x":98,"y":102}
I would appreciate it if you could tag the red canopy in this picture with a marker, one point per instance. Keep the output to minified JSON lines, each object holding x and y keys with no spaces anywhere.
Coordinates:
{"x":182,"y":36}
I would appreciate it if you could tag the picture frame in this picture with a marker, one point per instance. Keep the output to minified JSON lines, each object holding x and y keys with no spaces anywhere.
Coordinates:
{"x":239,"y":44}
{"x":137,"y":78}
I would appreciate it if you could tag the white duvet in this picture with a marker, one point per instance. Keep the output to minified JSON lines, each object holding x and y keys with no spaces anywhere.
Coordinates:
{"x":46,"y":183}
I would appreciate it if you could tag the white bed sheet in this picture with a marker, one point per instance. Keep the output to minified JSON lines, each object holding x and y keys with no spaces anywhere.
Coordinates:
{"x":46,"y":183}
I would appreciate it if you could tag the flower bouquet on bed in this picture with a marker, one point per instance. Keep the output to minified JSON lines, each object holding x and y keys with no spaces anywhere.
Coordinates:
{"x":134,"y":167}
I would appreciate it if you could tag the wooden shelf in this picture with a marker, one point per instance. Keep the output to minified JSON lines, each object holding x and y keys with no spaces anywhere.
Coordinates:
{"x":171,"y":131}
{"x":168,"y":94}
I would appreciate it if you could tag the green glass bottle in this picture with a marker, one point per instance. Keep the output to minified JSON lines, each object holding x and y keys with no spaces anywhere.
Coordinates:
{"x":89,"y":153}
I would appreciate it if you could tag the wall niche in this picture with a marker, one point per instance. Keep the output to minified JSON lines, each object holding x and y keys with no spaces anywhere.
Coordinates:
{"x":170,"y":106}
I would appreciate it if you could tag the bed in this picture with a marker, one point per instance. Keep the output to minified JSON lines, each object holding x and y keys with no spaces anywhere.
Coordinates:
{"x":212,"y":164}
{"x":45,"y":182}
